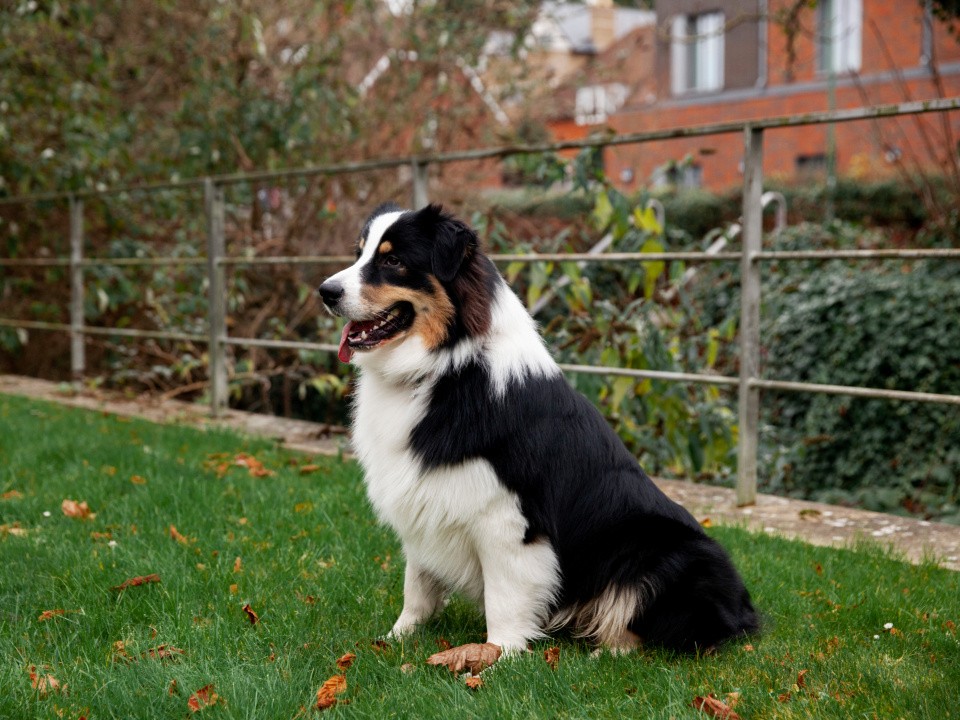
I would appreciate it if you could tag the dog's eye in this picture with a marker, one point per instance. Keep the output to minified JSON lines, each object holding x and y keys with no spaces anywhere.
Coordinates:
{"x":392,"y":261}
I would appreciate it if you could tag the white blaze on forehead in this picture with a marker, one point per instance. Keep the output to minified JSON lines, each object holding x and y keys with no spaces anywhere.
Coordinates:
{"x":375,"y":233}
{"x":351,"y":305}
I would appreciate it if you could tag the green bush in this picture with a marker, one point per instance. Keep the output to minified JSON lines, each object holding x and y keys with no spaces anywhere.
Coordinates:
{"x":843,"y":325}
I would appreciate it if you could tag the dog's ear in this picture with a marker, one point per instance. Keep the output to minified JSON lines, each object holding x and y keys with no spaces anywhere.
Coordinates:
{"x":454,"y":241}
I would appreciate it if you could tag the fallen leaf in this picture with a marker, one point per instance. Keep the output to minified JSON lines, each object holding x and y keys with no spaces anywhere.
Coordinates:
{"x":101,"y":535}
{"x":139,"y":580}
{"x":443,"y":643}
{"x":802,"y":679}
{"x":253,"y":466}
{"x":251,"y":615}
{"x":234,"y":589}
{"x":11,"y":495}
{"x":408,"y":668}
{"x":15,"y":530}
{"x":44,"y":683}
{"x":178,"y":536}
{"x":138,"y":480}
{"x":552,"y":656}
{"x":784,"y":697}
{"x":78,"y":510}
{"x":307,"y":469}
{"x":50,"y":614}
{"x":733,"y":698}
{"x":473,"y":657}
{"x":120,"y":652}
{"x":238,"y":565}
{"x":204,"y":697}
{"x":172,"y":687}
{"x":710,"y":705}
{"x":327,"y":694}
{"x":748,"y":648}
{"x":706,"y":522}
{"x":474,"y":682}
{"x":345,"y":661}
{"x":378,"y":645}
{"x":162,"y":652}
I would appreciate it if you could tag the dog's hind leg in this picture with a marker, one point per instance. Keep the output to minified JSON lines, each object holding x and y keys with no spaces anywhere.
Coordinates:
{"x":423,"y":596}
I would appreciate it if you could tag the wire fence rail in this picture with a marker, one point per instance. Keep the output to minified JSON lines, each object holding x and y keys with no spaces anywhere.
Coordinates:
{"x":748,"y":382}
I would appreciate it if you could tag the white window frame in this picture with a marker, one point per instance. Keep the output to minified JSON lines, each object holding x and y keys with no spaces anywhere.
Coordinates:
{"x":596,"y":102}
{"x":839,"y":36}
{"x":697,"y":52}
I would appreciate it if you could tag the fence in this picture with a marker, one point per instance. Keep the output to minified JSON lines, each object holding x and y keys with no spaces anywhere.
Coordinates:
{"x":750,"y":259}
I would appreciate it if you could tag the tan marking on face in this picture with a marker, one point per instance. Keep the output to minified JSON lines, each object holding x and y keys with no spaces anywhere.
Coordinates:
{"x":385,"y":247}
{"x":433,"y":312}
{"x":363,"y":241}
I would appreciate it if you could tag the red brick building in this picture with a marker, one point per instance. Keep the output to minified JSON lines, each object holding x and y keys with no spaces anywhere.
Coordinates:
{"x":727,"y":60}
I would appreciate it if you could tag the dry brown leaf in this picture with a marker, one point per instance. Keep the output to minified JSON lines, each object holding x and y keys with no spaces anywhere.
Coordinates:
{"x":327,"y":694}
{"x":78,"y":510}
{"x":253,"y":466}
{"x":473,"y":657}
{"x":251,"y":615}
{"x":234,"y":589}
{"x":238,"y":565}
{"x":50,"y":614}
{"x":11,"y":495}
{"x":379,"y":645}
{"x":204,"y":697}
{"x":178,"y":536}
{"x":802,"y":679}
{"x":162,"y":652}
{"x":748,"y":648}
{"x":139,"y":580}
{"x":710,"y":705}
{"x":408,"y":668}
{"x":345,"y":661}
{"x":45,"y":683}
{"x":443,"y":643}
{"x":172,"y":687}
{"x":733,"y":698}
{"x":15,"y":530}
{"x":706,"y":522}
{"x":307,"y":469}
{"x":552,"y":656}
{"x":138,"y":480}
{"x":474,"y":682}
{"x":784,"y":697}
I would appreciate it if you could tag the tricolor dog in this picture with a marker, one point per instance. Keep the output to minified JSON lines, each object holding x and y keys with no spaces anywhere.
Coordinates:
{"x":502,"y":482}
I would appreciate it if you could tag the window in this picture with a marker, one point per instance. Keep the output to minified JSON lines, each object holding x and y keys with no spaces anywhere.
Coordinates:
{"x":681,"y":176}
{"x":696,"y":53}
{"x":596,"y":102}
{"x":839,"y":35}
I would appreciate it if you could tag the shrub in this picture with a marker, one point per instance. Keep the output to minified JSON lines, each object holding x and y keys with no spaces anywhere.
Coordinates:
{"x":898,"y":330}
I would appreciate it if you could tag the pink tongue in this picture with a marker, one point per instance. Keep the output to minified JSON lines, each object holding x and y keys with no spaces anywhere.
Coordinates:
{"x":345,"y":353}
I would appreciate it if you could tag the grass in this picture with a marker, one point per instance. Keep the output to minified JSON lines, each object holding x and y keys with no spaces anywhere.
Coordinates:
{"x":326,"y":580}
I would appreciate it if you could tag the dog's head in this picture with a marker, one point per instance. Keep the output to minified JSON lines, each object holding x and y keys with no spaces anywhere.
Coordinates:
{"x":418,"y":273}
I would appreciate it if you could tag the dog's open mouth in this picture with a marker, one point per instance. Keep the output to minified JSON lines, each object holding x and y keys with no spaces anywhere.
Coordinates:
{"x":369,"y":334}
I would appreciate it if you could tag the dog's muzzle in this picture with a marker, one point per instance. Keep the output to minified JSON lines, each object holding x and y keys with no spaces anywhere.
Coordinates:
{"x":331,"y":292}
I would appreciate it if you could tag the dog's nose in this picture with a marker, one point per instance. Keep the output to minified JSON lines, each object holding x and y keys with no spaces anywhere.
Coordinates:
{"x":331,"y":292}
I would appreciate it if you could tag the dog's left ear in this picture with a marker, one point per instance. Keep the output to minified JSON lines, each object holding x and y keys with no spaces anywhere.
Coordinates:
{"x":454,"y":241}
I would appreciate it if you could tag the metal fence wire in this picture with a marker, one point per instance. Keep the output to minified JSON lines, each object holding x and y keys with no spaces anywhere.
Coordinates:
{"x":750,"y":259}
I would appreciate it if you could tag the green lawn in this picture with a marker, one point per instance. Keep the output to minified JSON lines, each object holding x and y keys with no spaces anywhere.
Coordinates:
{"x":326,"y":580}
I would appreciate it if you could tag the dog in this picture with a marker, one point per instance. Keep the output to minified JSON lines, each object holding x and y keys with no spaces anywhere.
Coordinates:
{"x":502,"y":482}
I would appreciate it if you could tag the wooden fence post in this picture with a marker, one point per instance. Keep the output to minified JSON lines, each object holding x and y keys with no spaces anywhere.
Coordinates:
{"x":216,"y":296}
{"x":78,"y":359}
{"x":749,"y":396}
{"x":421,"y":176}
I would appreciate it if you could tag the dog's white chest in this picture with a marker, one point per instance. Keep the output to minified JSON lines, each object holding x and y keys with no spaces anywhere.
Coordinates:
{"x":442,"y":515}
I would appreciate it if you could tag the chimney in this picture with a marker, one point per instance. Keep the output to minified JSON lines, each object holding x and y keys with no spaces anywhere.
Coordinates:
{"x":603,"y":29}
